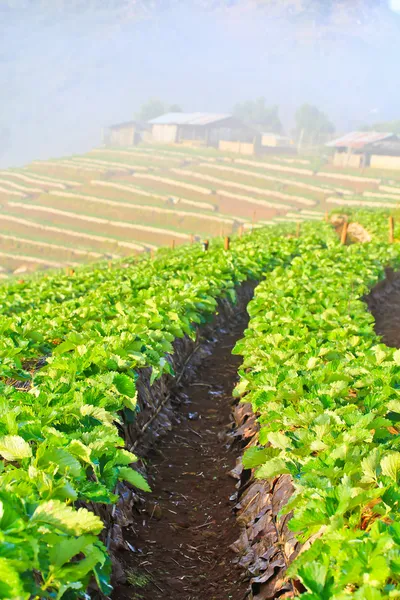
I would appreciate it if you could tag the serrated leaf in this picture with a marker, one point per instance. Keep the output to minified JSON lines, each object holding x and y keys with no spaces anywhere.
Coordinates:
{"x":79,"y":450}
{"x":124,"y":458}
{"x":369,"y":466}
{"x":254,"y":457}
{"x":390,"y":465}
{"x":133,"y":477}
{"x":66,"y":549}
{"x":125,"y":385}
{"x":65,"y":462}
{"x":396,"y":357}
{"x":274,"y":467}
{"x":279,"y":440}
{"x":313,"y":576}
{"x":394,"y":405}
{"x":14,"y":447}
{"x":87,"y":410}
{"x":67,"y":519}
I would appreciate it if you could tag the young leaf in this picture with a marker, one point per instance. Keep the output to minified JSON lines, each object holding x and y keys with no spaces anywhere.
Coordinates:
{"x":14,"y":447}
{"x":390,"y":465}
{"x":67,"y":519}
{"x":133,"y":477}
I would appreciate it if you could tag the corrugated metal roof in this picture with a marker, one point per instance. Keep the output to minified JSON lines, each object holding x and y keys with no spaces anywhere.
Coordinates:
{"x":189,"y":119}
{"x":359,"y":139}
{"x":390,"y":147}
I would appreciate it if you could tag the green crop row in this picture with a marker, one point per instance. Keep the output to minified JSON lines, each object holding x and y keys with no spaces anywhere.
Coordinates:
{"x":59,"y":437}
{"x":327,"y":393}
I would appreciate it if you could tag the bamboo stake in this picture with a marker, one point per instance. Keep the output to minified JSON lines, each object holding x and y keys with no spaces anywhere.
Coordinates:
{"x":344,"y":233}
{"x":326,"y":216}
{"x":298,"y":228}
{"x":227,"y":241}
{"x":172,"y":244}
{"x":391,"y":230}
{"x":253,"y":220}
{"x":241,"y":231}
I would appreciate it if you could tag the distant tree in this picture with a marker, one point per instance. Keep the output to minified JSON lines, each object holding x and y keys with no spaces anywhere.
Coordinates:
{"x":150,"y":110}
{"x":312,"y":124}
{"x":256,"y":112}
{"x":154,"y":108}
{"x":385,"y":127}
{"x":175,"y":108}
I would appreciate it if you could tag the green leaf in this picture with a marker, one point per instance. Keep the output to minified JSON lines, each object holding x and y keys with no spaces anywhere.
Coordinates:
{"x":14,"y":447}
{"x":65,"y":549}
{"x":11,"y":586}
{"x":369,"y":466}
{"x":313,"y":577}
{"x":254,"y":457}
{"x":390,"y":465}
{"x":125,"y":385}
{"x":67,"y":519}
{"x":65,"y":462}
{"x":396,"y":357}
{"x":79,"y":450}
{"x":272,"y":468}
{"x":279,"y":440}
{"x":133,"y":477}
{"x":97,"y":413}
{"x":240,"y":389}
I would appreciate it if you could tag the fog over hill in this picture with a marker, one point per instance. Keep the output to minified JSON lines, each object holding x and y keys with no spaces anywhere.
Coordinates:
{"x":69,"y":67}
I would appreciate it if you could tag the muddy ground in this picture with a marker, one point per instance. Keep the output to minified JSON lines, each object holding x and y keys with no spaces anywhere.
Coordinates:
{"x":180,"y":540}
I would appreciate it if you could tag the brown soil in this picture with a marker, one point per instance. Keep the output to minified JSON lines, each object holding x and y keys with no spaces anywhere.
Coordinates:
{"x":384,"y":303}
{"x":180,"y":540}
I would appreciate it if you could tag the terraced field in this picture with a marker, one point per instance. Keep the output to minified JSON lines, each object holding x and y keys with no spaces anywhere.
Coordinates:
{"x":112,"y":203}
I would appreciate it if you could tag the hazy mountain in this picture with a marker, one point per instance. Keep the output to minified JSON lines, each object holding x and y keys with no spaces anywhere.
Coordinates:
{"x":67,"y":67}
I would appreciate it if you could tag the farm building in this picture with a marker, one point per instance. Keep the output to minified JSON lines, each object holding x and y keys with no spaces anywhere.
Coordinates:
{"x":272,"y":143}
{"x":355,"y":149}
{"x":200,"y":129}
{"x":386,"y":154}
{"x":123,"y":134}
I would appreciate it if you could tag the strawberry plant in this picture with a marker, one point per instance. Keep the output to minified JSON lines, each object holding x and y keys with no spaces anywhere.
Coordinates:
{"x":78,"y":342}
{"x":327,"y":394}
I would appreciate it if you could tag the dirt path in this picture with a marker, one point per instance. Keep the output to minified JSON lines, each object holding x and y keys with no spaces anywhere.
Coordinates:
{"x":384,"y":303}
{"x":182,"y":536}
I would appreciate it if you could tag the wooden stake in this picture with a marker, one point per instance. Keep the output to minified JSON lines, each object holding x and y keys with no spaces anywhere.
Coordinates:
{"x":227,"y":242}
{"x":172,"y":244}
{"x":241,"y":228}
{"x":327,"y":216}
{"x":151,"y":253}
{"x":109,"y":264}
{"x":205,"y":245}
{"x":391,"y":230}
{"x":298,"y":229}
{"x":344,"y":233}
{"x":191,"y":238}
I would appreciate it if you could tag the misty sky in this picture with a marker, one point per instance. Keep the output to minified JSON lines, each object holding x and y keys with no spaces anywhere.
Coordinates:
{"x":65,"y":75}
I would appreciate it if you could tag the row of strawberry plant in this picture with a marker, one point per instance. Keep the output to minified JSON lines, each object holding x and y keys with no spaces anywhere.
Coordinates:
{"x":327,"y":395}
{"x":33,"y":332}
{"x":59,"y":441}
{"x":375,"y":221}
